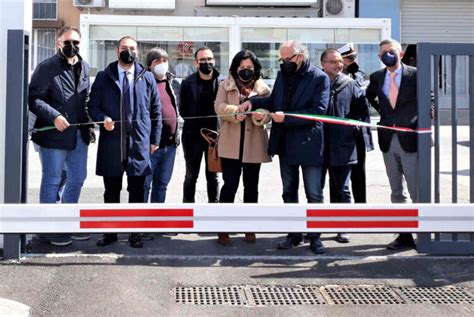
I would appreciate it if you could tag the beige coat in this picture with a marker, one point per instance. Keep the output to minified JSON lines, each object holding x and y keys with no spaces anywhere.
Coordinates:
{"x":256,"y":138}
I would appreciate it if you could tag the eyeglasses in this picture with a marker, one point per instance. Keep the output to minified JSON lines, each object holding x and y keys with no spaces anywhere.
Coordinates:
{"x":205,"y":59}
{"x":68,"y":42}
{"x":336,"y":62}
{"x":282,"y":60}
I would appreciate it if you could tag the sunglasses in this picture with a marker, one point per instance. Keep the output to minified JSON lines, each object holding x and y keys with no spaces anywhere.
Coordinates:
{"x":67,"y":42}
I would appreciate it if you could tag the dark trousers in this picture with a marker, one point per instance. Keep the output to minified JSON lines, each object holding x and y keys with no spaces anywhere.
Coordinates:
{"x":358,"y":172}
{"x":113,"y":186}
{"x":194,"y":150}
{"x":339,"y":178}
{"x":231,"y":171}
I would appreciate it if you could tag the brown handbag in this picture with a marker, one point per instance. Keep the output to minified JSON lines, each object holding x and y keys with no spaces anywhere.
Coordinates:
{"x":213,"y":160}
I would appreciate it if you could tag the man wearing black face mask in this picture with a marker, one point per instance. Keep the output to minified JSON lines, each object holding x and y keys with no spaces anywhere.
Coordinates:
{"x":299,"y":88}
{"x":58,"y":93}
{"x":198,"y":93}
{"x":125,"y":98}
{"x":393,"y":93}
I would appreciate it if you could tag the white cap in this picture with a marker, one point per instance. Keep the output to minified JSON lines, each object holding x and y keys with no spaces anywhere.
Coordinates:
{"x":347,"y":50}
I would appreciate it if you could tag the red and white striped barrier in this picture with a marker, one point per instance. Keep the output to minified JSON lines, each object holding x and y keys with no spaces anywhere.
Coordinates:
{"x":47,"y":218}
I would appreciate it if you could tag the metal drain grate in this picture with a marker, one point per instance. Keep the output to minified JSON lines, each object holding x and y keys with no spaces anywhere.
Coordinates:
{"x":210,"y":295}
{"x":279,"y":295}
{"x":436,"y":295}
{"x":262,"y":295}
{"x":360,"y":295}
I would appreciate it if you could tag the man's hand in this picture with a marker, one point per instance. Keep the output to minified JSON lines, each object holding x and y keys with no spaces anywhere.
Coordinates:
{"x":153,"y":148}
{"x":278,"y":116}
{"x":246,"y":106}
{"x":109,"y":125}
{"x":61,"y":123}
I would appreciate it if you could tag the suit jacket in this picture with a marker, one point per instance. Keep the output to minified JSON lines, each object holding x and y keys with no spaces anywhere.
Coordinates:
{"x":403,"y":115}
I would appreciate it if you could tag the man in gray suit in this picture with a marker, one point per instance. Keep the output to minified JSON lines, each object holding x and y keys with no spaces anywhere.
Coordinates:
{"x":393,"y":93}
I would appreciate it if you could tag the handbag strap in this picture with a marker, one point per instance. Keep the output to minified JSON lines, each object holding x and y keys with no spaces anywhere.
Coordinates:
{"x":207,"y":134}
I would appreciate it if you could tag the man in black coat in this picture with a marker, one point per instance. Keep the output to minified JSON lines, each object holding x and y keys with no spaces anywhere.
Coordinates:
{"x":198,"y":93}
{"x":299,"y":88}
{"x":347,"y":100}
{"x":58,"y":94}
{"x":393,"y":93}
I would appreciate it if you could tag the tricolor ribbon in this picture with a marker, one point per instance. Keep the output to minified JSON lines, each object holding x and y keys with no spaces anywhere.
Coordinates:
{"x":352,"y":122}
{"x":312,"y":117}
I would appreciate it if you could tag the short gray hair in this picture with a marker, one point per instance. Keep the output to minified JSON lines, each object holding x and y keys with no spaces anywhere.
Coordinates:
{"x":391,"y":42}
{"x":155,"y":53}
{"x":298,"y":48}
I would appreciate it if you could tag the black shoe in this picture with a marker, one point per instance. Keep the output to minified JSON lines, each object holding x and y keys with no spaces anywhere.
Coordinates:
{"x":343,"y":238}
{"x":403,"y":241}
{"x":289,"y":243}
{"x":135,"y":240}
{"x":107,"y":238}
{"x":316,"y":246}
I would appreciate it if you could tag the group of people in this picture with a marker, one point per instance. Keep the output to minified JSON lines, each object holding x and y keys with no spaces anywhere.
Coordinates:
{"x":138,"y":107}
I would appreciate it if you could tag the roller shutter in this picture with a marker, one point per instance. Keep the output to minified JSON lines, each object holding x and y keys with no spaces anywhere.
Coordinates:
{"x":438,"y":21}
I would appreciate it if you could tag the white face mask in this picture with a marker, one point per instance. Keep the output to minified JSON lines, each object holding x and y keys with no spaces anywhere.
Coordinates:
{"x":161,"y":69}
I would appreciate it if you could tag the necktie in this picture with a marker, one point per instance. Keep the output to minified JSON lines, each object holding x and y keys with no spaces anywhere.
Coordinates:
{"x":125,"y":127}
{"x":393,"y":90}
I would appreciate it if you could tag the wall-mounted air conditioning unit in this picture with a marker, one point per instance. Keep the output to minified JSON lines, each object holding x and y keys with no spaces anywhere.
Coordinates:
{"x":89,"y":3}
{"x":338,"y":8}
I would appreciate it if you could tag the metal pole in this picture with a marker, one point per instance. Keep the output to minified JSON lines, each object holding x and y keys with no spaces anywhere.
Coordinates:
{"x":437,"y":194}
{"x":454,"y":132}
{"x":16,"y":134}
{"x":424,"y":121}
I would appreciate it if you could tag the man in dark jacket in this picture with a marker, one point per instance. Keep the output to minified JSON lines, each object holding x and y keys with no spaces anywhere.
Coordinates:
{"x":125,"y":98}
{"x":392,"y":92}
{"x":299,"y":88}
{"x":58,"y":94}
{"x":163,"y":159}
{"x":198,"y":93}
{"x":347,"y":100}
{"x":364,"y":142}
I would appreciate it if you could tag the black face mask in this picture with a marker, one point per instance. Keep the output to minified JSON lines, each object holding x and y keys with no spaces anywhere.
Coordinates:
{"x":389,"y":59}
{"x":127,"y":56}
{"x":352,"y":68}
{"x":246,"y":74}
{"x":288,"y":68}
{"x":206,"y":68}
{"x":70,"y":50}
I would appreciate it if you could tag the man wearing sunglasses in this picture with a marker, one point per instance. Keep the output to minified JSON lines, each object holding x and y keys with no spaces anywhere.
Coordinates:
{"x":57,"y":96}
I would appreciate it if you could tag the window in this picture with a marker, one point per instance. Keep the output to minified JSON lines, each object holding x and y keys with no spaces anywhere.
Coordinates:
{"x":45,"y":10}
{"x":179,"y":42}
{"x":265,"y":43}
{"x":44,"y":45}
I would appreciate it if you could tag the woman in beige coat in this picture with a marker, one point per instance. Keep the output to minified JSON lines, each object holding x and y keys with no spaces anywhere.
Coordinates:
{"x":243,"y":142}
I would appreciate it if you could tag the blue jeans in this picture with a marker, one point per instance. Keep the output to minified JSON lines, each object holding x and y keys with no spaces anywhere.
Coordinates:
{"x":162,"y":163}
{"x":312,"y":182}
{"x":312,"y":186}
{"x":53,"y":162}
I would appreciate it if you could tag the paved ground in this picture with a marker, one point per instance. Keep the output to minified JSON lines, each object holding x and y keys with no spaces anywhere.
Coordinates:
{"x":83,"y":280}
